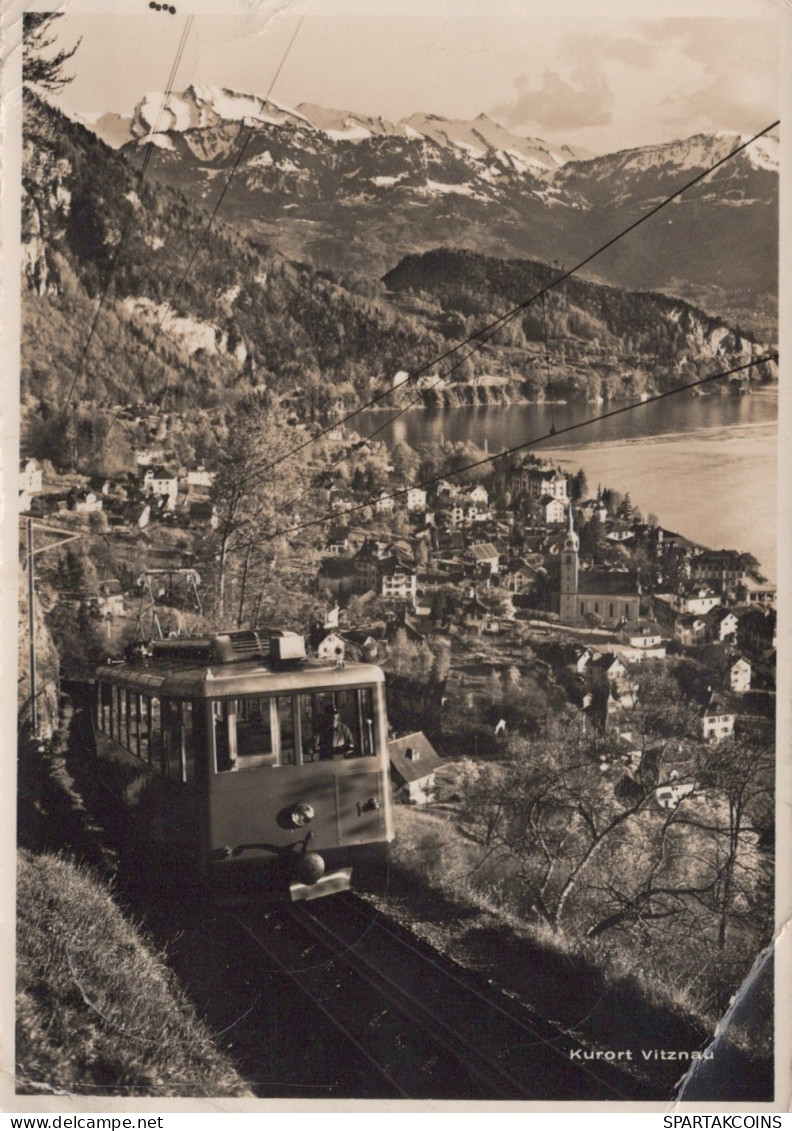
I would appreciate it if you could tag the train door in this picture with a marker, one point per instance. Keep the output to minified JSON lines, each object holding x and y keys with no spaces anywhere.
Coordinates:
{"x":360,"y":807}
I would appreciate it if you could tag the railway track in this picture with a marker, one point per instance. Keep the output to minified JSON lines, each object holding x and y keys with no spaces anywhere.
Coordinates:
{"x":422,"y":1025}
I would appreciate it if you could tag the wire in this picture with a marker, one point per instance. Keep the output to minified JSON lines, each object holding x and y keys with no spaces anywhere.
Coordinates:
{"x":476,"y":339}
{"x":138,"y":185}
{"x":213,"y":215}
{"x":335,"y":516}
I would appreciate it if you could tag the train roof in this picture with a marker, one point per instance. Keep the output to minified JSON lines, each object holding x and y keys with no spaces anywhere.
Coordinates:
{"x":187,"y":680}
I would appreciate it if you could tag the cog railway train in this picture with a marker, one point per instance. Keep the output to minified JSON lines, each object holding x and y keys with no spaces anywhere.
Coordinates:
{"x":262,"y":770}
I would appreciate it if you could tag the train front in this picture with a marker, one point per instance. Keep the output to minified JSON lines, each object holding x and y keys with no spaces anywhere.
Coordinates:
{"x":298,"y":798}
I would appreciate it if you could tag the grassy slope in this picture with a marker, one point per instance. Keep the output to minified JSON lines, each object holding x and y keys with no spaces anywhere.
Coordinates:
{"x":97,"y":1011}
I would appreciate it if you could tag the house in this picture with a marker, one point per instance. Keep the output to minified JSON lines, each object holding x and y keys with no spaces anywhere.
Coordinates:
{"x":620,"y":532}
{"x":31,"y":477}
{"x":445,"y":489}
{"x":753,"y":592}
{"x":740,"y":675}
{"x":721,"y":625}
{"x":690,"y":630}
{"x":414,"y":763}
{"x":158,"y":480}
{"x":25,"y":501}
{"x":535,"y":481}
{"x":722,"y":569}
{"x":111,"y":599}
{"x":641,"y":634}
{"x":610,"y":665}
{"x":200,"y":477}
{"x":520,"y":576}
{"x":478,"y":495}
{"x":717,"y":719}
{"x":484,"y":556}
{"x":582,"y":657}
{"x":669,"y":796}
{"x":416,"y":500}
{"x":338,"y":543}
{"x":332,"y":617}
{"x":552,"y":510}
{"x":147,"y":457}
{"x":475,"y":615}
{"x":642,"y":640}
{"x":328,"y":646}
{"x":366,"y":567}
{"x":591,"y":507}
{"x":698,"y":599}
{"x":87,"y":502}
{"x":463,"y":513}
{"x":385,"y":503}
{"x":397,"y":581}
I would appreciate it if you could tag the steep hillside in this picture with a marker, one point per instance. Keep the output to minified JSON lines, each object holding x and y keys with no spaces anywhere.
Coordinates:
{"x":601,"y":341}
{"x":240,"y":316}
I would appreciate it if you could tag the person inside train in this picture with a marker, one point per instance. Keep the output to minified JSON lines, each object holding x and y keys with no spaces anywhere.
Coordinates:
{"x":336,"y":739}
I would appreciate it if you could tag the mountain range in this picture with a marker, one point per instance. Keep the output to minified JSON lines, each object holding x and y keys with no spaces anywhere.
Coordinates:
{"x":188,"y":316}
{"x":346,"y":191}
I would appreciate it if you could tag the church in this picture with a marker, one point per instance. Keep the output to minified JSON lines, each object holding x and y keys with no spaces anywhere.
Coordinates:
{"x":610,"y":596}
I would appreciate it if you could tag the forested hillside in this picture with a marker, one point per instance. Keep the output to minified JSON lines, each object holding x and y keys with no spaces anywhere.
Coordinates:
{"x":190,"y":314}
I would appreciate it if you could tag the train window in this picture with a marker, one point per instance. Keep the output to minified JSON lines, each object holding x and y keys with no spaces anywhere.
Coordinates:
{"x":123,"y":735}
{"x":177,"y":756}
{"x":365,"y":709}
{"x":288,"y":746}
{"x":224,"y":726}
{"x":255,"y":734}
{"x":144,"y":727}
{"x":171,"y":738}
{"x":133,"y":722}
{"x":119,"y":698}
{"x":246,"y":733}
{"x":105,"y":707}
{"x":156,"y":749}
{"x":187,"y":746}
{"x":337,"y":725}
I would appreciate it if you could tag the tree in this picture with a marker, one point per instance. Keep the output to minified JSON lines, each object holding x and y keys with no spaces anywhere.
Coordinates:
{"x":42,"y":73}
{"x":740,"y":772}
{"x":259,"y":490}
{"x":578,"y":486}
{"x":405,"y":463}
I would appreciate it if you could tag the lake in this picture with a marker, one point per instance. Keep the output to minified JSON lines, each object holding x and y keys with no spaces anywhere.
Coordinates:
{"x":706,"y":466}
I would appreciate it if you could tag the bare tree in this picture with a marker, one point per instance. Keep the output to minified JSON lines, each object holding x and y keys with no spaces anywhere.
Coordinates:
{"x":259,"y":495}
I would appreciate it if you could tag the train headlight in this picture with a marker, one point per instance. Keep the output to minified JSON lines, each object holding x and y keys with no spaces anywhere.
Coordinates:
{"x":301,"y":815}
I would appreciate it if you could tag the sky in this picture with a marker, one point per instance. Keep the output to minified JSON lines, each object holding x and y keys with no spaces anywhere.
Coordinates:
{"x":605,"y":80}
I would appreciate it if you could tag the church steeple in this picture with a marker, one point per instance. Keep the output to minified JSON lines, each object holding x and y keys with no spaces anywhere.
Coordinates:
{"x":571,"y":542}
{"x":569,"y":573}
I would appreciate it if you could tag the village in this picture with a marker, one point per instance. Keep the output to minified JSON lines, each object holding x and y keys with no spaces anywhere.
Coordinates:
{"x":488,"y":602}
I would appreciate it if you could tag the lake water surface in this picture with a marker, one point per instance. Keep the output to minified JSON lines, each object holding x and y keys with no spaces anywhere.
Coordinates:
{"x":706,"y":466}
